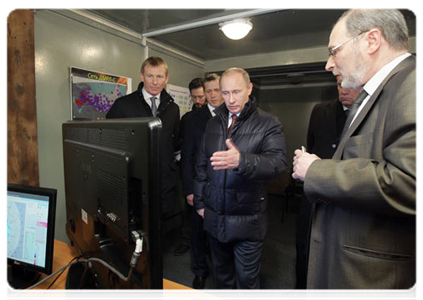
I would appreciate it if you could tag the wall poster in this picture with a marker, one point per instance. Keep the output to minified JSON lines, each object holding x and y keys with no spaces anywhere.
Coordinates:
{"x":182,"y":97}
{"x":93,"y":93}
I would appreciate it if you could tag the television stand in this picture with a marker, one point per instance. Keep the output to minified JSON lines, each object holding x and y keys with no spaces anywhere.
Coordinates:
{"x":77,"y":290}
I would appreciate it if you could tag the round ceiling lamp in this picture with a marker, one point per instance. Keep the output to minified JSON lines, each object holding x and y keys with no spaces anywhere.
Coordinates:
{"x":236,"y":29}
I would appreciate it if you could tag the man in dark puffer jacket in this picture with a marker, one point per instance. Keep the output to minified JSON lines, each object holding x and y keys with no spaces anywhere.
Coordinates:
{"x":236,"y":159}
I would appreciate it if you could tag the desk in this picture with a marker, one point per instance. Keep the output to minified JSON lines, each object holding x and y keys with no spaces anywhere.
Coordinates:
{"x":63,"y":253}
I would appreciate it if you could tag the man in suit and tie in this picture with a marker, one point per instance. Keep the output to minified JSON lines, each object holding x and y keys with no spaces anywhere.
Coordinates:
{"x":198,"y":98}
{"x":194,"y":129}
{"x":363,"y":230}
{"x":326,"y":123}
{"x":151,"y":99}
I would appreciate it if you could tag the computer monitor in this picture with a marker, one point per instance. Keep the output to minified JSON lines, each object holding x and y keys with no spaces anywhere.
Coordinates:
{"x":31,"y":215}
{"x":112,"y":187}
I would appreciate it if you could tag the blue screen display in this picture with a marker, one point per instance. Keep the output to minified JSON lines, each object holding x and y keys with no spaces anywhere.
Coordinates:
{"x":27,"y":223}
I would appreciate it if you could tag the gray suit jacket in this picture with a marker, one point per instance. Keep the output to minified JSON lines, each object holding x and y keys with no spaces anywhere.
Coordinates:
{"x":363,"y":232}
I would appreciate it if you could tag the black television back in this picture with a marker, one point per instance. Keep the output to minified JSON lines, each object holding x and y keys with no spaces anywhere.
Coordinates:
{"x":112,"y":184}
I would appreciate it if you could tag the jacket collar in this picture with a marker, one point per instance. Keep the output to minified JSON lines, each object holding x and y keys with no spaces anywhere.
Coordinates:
{"x":411,"y":60}
{"x":164,"y":96}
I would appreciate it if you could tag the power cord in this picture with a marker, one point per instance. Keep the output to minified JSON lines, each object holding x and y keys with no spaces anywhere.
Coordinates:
{"x":136,"y":236}
{"x":75,"y":258}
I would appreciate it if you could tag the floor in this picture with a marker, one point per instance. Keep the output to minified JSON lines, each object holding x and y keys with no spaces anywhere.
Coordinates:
{"x":278,"y":257}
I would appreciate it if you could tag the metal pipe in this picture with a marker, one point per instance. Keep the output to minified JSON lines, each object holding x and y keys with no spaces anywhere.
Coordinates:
{"x":146,"y":48}
{"x":107,"y":23}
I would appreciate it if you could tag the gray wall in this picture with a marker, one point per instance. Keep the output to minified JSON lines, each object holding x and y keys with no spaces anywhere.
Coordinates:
{"x":280,"y":58}
{"x":64,"y":40}
{"x":293,"y":107}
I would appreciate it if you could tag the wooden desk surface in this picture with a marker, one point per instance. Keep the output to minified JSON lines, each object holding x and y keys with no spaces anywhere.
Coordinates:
{"x":63,"y":253}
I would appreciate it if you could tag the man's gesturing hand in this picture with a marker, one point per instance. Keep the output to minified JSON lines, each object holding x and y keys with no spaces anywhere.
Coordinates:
{"x":229,"y":159}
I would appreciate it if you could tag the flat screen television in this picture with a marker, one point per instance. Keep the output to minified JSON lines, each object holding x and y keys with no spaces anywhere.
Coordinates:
{"x":31,"y":213}
{"x":112,"y":187}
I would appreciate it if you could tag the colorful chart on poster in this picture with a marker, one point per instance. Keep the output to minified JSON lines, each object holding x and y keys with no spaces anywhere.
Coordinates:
{"x":93,"y":93}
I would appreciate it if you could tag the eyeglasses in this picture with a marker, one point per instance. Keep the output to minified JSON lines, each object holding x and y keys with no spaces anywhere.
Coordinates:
{"x":334,"y":50}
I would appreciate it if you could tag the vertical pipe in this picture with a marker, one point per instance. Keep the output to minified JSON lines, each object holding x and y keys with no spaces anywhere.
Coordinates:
{"x":146,"y":48}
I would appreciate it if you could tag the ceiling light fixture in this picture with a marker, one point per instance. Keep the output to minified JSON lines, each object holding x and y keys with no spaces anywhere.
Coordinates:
{"x":236,"y":29}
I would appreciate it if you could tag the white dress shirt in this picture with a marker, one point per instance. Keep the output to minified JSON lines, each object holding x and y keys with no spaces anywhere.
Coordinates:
{"x":230,"y":118}
{"x":147,"y":97}
{"x":211,"y":109}
{"x":371,"y":86}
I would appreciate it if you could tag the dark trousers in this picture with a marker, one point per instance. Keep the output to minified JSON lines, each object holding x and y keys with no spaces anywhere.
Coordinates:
{"x":199,"y":245}
{"x":236,"y":264}
{"x":302,"y":242}
{"x":186,"y":231}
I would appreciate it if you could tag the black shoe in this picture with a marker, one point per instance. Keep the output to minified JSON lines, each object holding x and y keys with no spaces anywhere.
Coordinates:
{"x":199,"y":282}
{"x":180,"y":250}
{"x":293,"y":295}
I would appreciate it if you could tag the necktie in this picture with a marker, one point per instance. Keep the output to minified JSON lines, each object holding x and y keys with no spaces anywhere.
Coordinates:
{"x":353,"y":111}
{"x":232,"y":124}
{"x":153,"y":105}
{"x":347,"y":111}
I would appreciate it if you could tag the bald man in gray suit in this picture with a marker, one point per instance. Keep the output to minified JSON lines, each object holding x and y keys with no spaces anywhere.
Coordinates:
{"x":364,"y":230}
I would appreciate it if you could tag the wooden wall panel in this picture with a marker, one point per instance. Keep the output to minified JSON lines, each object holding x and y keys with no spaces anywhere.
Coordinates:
{"x":22,"y":156}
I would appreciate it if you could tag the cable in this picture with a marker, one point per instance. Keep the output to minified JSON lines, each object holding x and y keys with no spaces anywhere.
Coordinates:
{"x":137,"y":237}
{"x":75,"y":258}
{"x":71,"y":264}
{"x":54,"y":273}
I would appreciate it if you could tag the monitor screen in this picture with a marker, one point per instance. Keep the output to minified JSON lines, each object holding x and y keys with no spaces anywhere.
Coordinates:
{"x":30,"y":228}
{"x":112,"y":189}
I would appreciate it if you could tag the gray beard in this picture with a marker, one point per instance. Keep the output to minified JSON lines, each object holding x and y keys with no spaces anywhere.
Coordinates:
{"x":355,"y":80}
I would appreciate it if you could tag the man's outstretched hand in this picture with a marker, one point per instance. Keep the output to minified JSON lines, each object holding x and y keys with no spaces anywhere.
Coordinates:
{"x":229,"y":159}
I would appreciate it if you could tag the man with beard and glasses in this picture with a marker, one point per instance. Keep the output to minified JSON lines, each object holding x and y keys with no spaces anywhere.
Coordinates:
{"x":198,"y":99}
{"x":363,"y":231}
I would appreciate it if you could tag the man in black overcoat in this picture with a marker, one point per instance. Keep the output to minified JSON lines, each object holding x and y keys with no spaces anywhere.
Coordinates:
{"x":151,"y":99}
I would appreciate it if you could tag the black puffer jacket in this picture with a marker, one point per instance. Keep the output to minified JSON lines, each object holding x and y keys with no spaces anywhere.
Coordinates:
{"x":235,"y":201}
